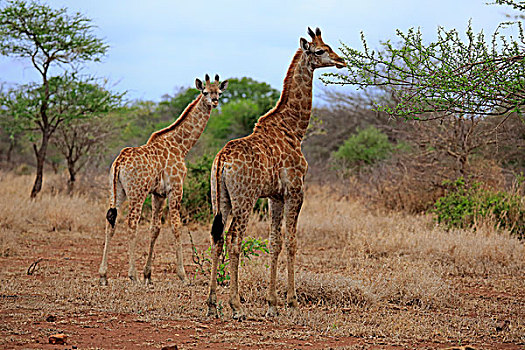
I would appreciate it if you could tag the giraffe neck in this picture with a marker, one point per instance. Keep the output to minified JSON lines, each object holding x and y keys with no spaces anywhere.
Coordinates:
{"x":187,"y":129}
{"x":295,"y":104}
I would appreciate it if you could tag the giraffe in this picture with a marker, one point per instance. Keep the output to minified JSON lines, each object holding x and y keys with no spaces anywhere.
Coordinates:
{"x":267,"y":163}
{"x":158,"y":168}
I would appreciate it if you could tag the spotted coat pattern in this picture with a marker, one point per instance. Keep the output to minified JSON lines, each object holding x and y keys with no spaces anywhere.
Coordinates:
{"x":268,"y":163}
{"x":158,"y":168}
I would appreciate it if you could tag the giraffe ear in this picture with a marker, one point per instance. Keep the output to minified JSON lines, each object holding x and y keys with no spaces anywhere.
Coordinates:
{"x":223,"y":85}
{"x":305,"y":45}
{"x":199,"y":85}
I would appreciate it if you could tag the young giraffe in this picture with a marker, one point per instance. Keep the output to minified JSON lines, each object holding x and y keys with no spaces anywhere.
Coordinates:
{"x":158,"y":168}
{"x":268,"y":163}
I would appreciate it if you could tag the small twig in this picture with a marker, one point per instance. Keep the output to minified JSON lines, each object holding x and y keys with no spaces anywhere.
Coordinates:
{"x":32,"y":267}
{"x":196,"y":258}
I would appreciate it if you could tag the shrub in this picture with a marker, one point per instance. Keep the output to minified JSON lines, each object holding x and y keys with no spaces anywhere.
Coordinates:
{"x":250,"y":247}
{"x":466,"y":205}
{"x":364,"y":148}
{"x":196,"y":201}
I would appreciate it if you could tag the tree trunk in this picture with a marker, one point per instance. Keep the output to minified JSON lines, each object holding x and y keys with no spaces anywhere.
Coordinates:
{"x":40,"y":159}
{"x":12,"y":144}
{"x":72,"y":178}
{"x":462,"y":164}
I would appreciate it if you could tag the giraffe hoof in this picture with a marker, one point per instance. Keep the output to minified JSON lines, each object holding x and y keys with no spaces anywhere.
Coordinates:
{"x":147,"y":278}
{"x":103,"y":281}
{"x":212,"y":312}
{"x":239,"y":315}
{"x":272,"y":312}
{"x":185,"y":280}
{"x":292,"y":303}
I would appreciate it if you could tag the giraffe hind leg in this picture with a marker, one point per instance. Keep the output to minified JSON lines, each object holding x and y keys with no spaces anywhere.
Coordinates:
{"x":111,"y":217}
{"x":135,"y":208}
{"x":236,"y":232}
{"x":217,"y":234}
{"x":157,"y":203}
{"x":276,"y":243}
{"x":110,"y":231}
{"x":216,"y":251}
{"x":175,"y":198}
{"x":292,"y":208}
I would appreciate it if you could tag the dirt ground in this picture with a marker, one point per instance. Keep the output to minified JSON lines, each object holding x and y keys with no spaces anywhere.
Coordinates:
{"x":32,"y":314}
{"x":364,"y":281}
{"x":33,"y":307}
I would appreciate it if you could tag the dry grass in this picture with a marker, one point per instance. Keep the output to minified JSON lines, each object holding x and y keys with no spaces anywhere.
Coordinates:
{"x":365,"y":235}
{"x":50,"y":211}
{"x":369,"y":277}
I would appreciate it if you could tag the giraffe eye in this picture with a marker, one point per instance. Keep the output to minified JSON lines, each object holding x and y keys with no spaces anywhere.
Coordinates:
{"x":319,"y":52}
{"x":205,"y":93}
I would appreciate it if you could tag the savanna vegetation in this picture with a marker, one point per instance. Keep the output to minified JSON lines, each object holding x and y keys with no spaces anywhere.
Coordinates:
{"x":411,"y":234}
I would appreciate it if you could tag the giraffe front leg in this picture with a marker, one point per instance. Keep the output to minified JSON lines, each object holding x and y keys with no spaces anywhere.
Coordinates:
{"x":175,"y":198}
{"x":276,"y":242}
{"x":293,"y":204}
{"x":156,"y":204}
{"x":102,"y":271}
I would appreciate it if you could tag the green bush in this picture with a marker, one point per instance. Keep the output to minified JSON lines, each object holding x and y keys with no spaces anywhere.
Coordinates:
{"x":365,"y":147}
{"x":465,"y":205}
{"x":196,"y":200}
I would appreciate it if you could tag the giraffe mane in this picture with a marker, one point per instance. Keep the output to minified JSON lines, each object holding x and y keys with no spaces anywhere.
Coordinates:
{"x":286,"y":85}
{"x":157,"y":134}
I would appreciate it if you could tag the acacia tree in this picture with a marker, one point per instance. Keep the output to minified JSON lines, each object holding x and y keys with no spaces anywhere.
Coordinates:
{"x":83,"y":106}
{"x":446,"y":77}
{"x":50,"y":39}
{"x":80,"y":142}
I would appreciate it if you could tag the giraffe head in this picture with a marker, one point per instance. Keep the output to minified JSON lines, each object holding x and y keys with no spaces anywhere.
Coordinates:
{"x":211,"y":91}
{"x":320,"y":54}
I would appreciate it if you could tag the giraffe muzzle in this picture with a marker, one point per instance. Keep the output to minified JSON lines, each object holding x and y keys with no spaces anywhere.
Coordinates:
{"x":340,"y":64}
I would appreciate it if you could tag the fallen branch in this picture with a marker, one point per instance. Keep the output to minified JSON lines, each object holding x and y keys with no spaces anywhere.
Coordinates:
{"x":32,"y":267}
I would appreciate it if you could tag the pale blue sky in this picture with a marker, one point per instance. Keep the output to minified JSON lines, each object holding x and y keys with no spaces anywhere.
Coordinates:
{"x":158,"y":45}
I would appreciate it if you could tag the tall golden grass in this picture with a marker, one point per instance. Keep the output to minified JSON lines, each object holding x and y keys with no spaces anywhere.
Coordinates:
{"x":52,"y":210}
{"x":360,"y":272}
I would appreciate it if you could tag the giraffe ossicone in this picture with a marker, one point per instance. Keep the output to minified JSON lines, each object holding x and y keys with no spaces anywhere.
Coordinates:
{"x":267,"y":163}
{"x":158,"y":168}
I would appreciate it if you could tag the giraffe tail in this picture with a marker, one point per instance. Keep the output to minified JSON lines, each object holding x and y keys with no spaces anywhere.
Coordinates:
{"x":217,"y":228}
{"x":111,"y":215}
